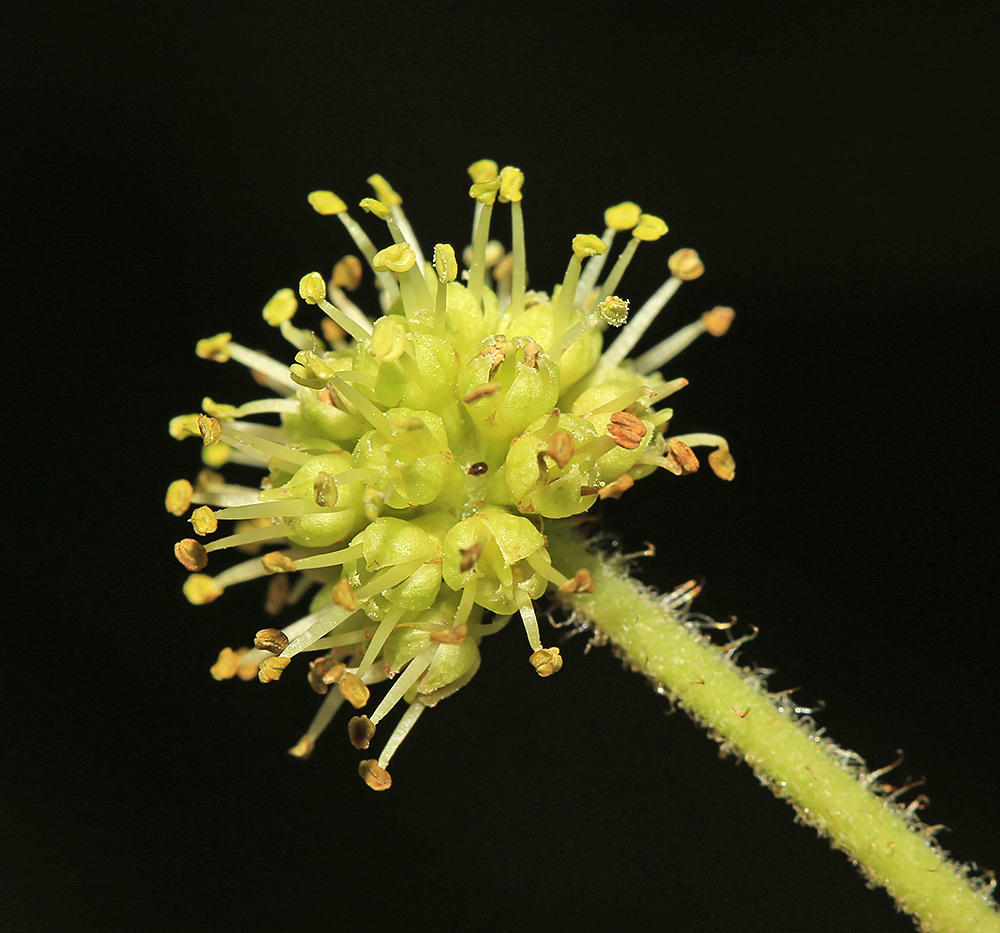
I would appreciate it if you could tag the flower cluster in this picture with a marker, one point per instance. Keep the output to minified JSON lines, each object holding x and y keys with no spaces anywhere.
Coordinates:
{"x":419,"y":456}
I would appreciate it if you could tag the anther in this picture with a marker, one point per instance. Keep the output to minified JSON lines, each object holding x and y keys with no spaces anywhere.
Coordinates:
{"x":271,"y":669}
{"x":682,"y":457}
{"x":303,"y":748}
{"x":469,"y":557}
{"x":347,"y":273}
{"x":214,"y":348}
{"x":686,"y":264}
{"x":325,"y":490}
{"x":270,"y":639}
{"x":203,"y":521}
{"x":582,"y":582}
{"x":227,"y":664}
{"x":178,"y":498}
{"x":546,"y":661}
{"x":353,"y":690}
{"x":280,"y":307}
{"x":277,"y":562}
{"x":200,"y":589}
{"x":361,"y":732}
{"x":210,"y":430}
{"x":531,"y":353}
{"x":626,"y":429}
{"x":718,"y":320}
{"x":618,"y":488}
{"x":191,"y":554}
{"x":343,"y":595}
{"x":482,"y":391}
{"x":375,"y":776}
{"x":561,"y":449}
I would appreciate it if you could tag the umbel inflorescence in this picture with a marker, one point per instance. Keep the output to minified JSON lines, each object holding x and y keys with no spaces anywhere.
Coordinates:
{"x":419,"y":457}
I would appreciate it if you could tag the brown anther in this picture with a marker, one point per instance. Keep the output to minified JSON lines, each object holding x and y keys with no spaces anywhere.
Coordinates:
{"x":504,"y":267}
{"x":478,"y":469}
{"x":353,"y":690}
{"x":717,"y":320}
{"x":582,"y":582}
{"x":323,"y":672}
{"x":686,"y":265}
{"x":277,"y":562}
{"x":618,"y":488}
{"x":332,"y":331}
{"x":276,"y":597}
{"x":531,"y":353}
{"x":361,"y":732}
{"x":496,"y":353}
{"x":451,"y":636}
{"x":303,"y":748}
{"x":626,"y":429}
{"x":546,"y":661}
{"x":722,"y":463}
{"x":589,"y":491}
{"x":375,"y":776}
{"x":469,"y":556}
{"x":681,"y":458}
{"x":328,"y":395}
{"x":481,"y":391}
{"x":210,"y":430}
{"x":343,"y":595}
{"x":271,"y":669}
{"x":270,"y":639}
{"x":178,"y":498}
{"x":203,"y":520}
{"x":561,"y":448}
{"x":227,"y":664}
{"x":191,"y":554}
{"x":347,"y":273}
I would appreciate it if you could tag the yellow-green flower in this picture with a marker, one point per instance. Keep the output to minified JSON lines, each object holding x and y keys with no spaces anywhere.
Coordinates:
{"x":419,"y":457}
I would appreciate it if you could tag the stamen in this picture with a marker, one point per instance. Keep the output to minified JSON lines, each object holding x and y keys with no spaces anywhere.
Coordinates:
{"x":584,"y":245}
{"x":374,"y":775}
{"x":312,"y":289}
{"x":720,"y":460}
{"x":613,"y":310}
{"x":212,"y":431}
{"x":274,"y":372}
{"x":649,"y":228}
{"x":447,"y":271}
{"x":528,"y":618}
{"x":383,"y":631}
{"x":179,"y":495}
{"x":268,"y":533}
{"x":539,"y":562}
{"x":324,"y":715}
{"x":401,"y":259}
{"x":203,"y":521}
{"x":715,"y":322}
{"x":635,"y":328}
{"x":511,"y":191}
{"x":385,"y":193}
{"x":485,"y":193}
{"x":621,"y":217}
{"x":331,"y":558}
{"x":367,"y":409}
{"x":402,"y":729}
{"x":403,"y":682}
{"x":314,"y":627}
{"x":621,"y":402}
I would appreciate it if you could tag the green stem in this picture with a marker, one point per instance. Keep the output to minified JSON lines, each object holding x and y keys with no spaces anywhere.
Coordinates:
{"x":890,"y":846}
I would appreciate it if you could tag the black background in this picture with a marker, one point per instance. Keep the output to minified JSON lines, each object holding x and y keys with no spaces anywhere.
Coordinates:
{"x":831,"y":167}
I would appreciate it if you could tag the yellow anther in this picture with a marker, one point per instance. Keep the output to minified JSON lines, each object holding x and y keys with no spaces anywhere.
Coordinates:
{"x":388,"y":338}
{"x":384,"y":191}
{"x":216,"y":456}
{"x":325,"y":493}
{"x":375,"y":776}
{"x":191,"y":554}
{"x":312,"y":288}
{"x":485,"y":192}
{"x":200,"y":588}
{"x":686,"y":264}
{"x":373,"y":206}
{"x":586,"y":244}
{"x":445,"y":263}
{"x":326,"y":202}
{"x":511,"y":180}
{"x":361,"y":732}
{"x":396,"y":258}
{"x":546,"y":661}
{"x":218,"y":409}
{"x":184,"y":426}
{"x":649,"y":228}
{"x":203,"y":520}
{"x":272,"y":668}
{"x":178,"y":498}
{"x":303,"y":748}
{"x":277,"y":562}
{"x":214,"y":348}
{"x":210,"y":430}
{"x":622,"y":216}
{"x":227,"y":664}
{"x":718,"y":320}
{"x":614,"y":310}
{"x":281,"y":307}
{"x":483,"y":170}
{"x":343,"y":595}
{"x":353,"y":690}
{"x":347,"y":273}
{"x":270,"y":639}
{"x":722,"y":463}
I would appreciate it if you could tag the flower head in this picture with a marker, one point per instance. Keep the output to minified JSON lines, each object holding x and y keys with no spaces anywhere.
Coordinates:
{"x":419,"y":455}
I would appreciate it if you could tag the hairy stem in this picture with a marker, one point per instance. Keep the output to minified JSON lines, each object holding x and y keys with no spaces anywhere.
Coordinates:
{"x":889,"y":845}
